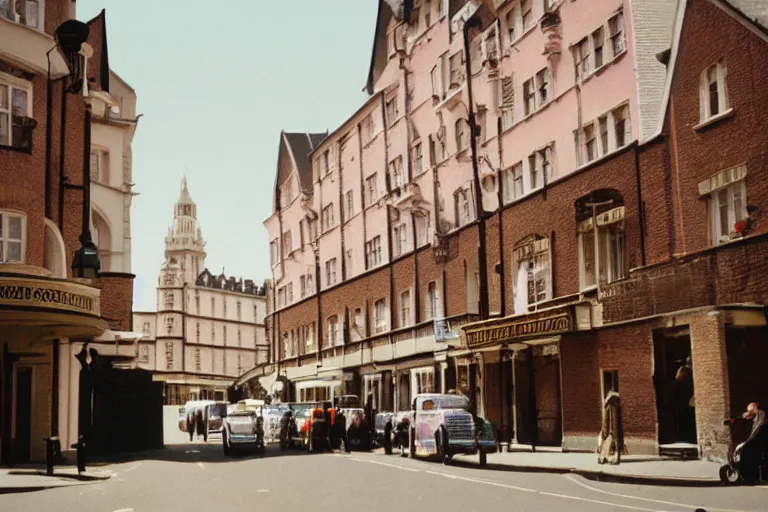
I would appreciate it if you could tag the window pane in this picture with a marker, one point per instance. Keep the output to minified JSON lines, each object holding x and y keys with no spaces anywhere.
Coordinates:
{"x":14,"y":251}
{"x":14,"y":228}
{"x":738,"y":203}
{"x":588,"y":258}
{"x":722,"y":200}
{"x":5,"y":133}
{"x":19,"y":102}
{"x":3,"y":94}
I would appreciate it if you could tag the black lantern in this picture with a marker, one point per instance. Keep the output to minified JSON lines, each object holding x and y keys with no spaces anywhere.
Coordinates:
{"x":70,"y":37}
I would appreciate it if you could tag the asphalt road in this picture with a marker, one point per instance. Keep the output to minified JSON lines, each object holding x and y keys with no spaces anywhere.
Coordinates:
{"x":198,"y":477}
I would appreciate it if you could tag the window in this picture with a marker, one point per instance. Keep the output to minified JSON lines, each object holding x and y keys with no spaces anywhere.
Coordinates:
{"x":274,"y":255}
{"x":582,"y":58}
{"x":507,"y":102}
{"x":374,"y":389}
{"x":224,"y":304}
{"x":322,"y":165}
{"x":405,"y":309}
{"x":529,"y":97}
{"x":729,"y":206}
{"x":350,"y":263}
{"x":309,"y":335}
{"x":456,"y":63}
{"x":400,"y":239}
{"x":432,"y":303}
{"x":197,"y":331}
{"x":334,"y":333}
{"x":602,"y":124}
{"x":289,"y":293}
{"x":197,"y":302}
{"x":239,"y":363}
{"x":540,"y":167}
{"x":480,"y":120}
{"x":145,"y":329}
{"x":26,"y":12}
{"x":197,"y":360}
{"x":169,"y":324}
{"x":462,"y":207}
{"x":99,"y":165}
{"x":513,"y":183}
{"x":369,"y":127}
{"x":225,"y":334}
{"x":169,"y":355}
{"x":437,"y":78}
{"x":533,"y":276}
{"x":373,"y":252}
{"x":303,"y":286}
{"x":287,"y":244}
{"x":511,"y":21}
{"x":422,"y":229}
{"x":312,"y":228}
{"x":239,"y":311}
{"x":490,"y":47}
{"x":462,"y":135}
{"x":610,"y":382}
{"x":418,"y":159}
{"x":330,"y":272}
{"x":15,"y":112}
{"x":396,"y":178}
{"x":350,"y":204}
{"x":168,"y":300}
{"x":622,"y":126}
{"x":440,"y":8}
{"x":526,"y":6}
{"x":144,"y":353}
{"x":392,"y":111}
{"x":310,"y":284}
{"x":328,"y":218}
{"x":422,"y":381}
{"x":607,"y":255}
{"x":590,"y":143}
{"x":256,"y":317}
{"x":12,"y":238}
{"x":213,"y":306}
{"x":598,"y":38}
{"x":380,"y":316}
{"x":213,"y":334}
{"x":713,"y":95}
{"x":281,"y":297}
{"x":370,"y":189}
{"x":543,"y":85}
{"x":616,"y":33}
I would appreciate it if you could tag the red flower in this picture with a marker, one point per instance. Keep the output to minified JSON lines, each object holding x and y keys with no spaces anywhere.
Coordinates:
{"x":740,"y":226}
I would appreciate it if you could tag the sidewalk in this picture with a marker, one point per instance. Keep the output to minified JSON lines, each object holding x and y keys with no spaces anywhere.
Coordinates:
{"x":650,"y":470}
{"x":28,"y":479}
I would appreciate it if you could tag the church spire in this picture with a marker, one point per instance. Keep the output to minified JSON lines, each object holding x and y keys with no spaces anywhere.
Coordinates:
{"x":184,"y":242}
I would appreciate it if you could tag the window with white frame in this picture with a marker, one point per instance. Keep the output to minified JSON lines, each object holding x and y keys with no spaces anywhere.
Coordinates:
{"x":422,"y":380}
{"x":334,"y":333}
{"x":400,"y":239}
{"x":322,"y":164}
{"x":540,"y":167}
{"x":511,"y":25}
{"x":437,"y":76}
{"x":289,"y":293}
{"x":462,"y":135}
{"x":287,"y":244}
{"x":529,"y":97}
{"x":714,"y":93}
{"x":380,"y":316}
{"x":310,"y":284}
{"x":274,"y":254}
{"x":607,"y":133}
{"x":513,"y":183}
{"x":418,"y":159}
{"x":357,"y":331}
{"x":463,"y":207}
{"x":198,"y":362}
{"x":507,"y":95}
{"x":350,"y":263}
{"x":490,"y":44}
{"x":281,"y":296}
{"x":616,"y":33}
{"x":312,"y":228}
{"x":422,"y":228}
{"x":621,"y":126}
{"x":396,"y":177}
{"x":602,"y":249}
{"x":144,"y":353}
{"x":727,"y":193}
{"x":602,"y":127}
{"x":350,"y":204}
{"x":328,"y":218}
{"x":369,"y":127}
{"x":406,"y":318}
{"x":373,"y":252}
{"x":526,"y":9}
{"x":391,"y":108}
{"x":309,"y":335}
{"x":543,"y":85}
{"x":598,"y":40}
{"x":12,"y":237}
{"x":432,"y":302}
{"x":533,"y":275}
{"x":26,"y":12}
{"x":330,"y":272}
{"x":456,"y":66}
{"x":371,"y":191}
{"x":303,"y":286}
{"x":15,"y":111}
{"x":374,"y":389}
{"x":583,"y":54}
{"x":590,"y":142}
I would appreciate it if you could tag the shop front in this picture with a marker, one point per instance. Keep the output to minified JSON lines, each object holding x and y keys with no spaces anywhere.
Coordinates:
{"x":510,"y":368}
{"x":37,"y":314}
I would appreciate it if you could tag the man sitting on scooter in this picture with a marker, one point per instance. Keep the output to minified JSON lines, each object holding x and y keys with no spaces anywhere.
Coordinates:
{"x":755,"y":445}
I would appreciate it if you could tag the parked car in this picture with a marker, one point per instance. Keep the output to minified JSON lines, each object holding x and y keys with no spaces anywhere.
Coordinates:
{"x":272,"y":415}
{"x":243,"y":429}
{"x":443,"y":426}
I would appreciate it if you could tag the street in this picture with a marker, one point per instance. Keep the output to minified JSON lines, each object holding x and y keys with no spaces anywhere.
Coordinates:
{"x":197,"y":476}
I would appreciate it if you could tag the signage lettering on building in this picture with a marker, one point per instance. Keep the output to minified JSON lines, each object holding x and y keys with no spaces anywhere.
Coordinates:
{"x":501,"y":333}
{"x":46,"y":297}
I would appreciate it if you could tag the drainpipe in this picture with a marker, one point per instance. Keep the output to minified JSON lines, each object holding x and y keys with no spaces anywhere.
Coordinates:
{"x":48,"y":134}
{"x":318,"y":293}
{"x":62,"y":147}
{"x":482,"y":263}
{"x":500,"y":199}
{"x":342,"y":209}
{"x":640,"y":205}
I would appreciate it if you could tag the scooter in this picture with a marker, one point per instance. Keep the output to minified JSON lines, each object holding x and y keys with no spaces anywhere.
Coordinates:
{"x":734,"y":471}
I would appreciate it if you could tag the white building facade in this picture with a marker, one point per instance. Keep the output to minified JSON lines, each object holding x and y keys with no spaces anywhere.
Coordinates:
{"x":208,"y":329}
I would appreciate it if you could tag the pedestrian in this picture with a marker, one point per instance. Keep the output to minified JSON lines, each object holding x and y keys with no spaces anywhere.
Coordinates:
{"x":341,"y":429}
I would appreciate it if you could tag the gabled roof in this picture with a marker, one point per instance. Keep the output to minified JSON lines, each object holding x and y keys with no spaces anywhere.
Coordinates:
{"x":379,"y":51}
{"x":753,"y":14}
{"x":301,"y":145}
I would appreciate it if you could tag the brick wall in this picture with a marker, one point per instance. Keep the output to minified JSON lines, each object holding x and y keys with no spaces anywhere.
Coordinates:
{"x":117,"y":299}
{"x":580,"y":385}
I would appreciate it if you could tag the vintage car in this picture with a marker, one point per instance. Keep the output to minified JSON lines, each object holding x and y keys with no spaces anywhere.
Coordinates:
{"x":243,"y":429}
{"x":272,"y":415}
{"x":395,"y":425}
{"x":294,"y":427}
{"x":203,"y":417}
{"x":442,"y":425}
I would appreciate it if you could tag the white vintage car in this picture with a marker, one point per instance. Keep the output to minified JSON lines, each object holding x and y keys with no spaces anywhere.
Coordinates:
{"x":243,"y":429}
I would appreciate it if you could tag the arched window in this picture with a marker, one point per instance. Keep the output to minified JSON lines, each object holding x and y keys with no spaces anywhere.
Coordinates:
{"x":462,"y":135}
{"x":713,"y":95}
{"x":532,"y":280}
{"x":600,"y":231}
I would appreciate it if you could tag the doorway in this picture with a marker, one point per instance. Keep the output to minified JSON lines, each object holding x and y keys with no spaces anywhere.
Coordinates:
{"x":673,"y":380}
{"x":537,"y":396}
{"x":23,"y":414}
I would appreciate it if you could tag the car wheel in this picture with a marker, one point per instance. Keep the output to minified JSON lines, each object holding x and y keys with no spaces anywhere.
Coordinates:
{"x":728,"y":475}
{"x":483,"y":458}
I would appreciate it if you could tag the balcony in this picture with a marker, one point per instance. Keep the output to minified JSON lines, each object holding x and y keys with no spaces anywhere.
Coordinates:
{"x":26,"y":47}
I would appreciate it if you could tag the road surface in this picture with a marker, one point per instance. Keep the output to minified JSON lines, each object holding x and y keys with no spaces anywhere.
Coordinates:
{"x":198,"y":477}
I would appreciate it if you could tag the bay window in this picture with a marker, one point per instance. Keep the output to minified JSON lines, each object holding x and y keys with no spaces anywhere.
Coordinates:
{"x":12,"y":237}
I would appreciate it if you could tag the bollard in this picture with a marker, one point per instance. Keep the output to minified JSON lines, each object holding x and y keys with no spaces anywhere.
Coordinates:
{"x":80,"y":447}
{"x":52,"y":453}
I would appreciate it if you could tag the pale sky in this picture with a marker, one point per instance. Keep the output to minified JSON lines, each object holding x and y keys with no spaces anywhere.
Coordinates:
{"x":216,"y":82}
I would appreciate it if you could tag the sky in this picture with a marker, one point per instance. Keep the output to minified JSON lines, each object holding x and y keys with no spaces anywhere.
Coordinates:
{"x":215,"y":87}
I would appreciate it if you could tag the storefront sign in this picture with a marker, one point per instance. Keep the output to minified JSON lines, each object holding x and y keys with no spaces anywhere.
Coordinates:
{"x":505,"y":331}
{"x":63,"y":296}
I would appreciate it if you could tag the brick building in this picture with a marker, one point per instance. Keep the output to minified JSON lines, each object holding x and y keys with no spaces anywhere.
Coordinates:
{"x":620,"y":205}
{"x":53,"y":300}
